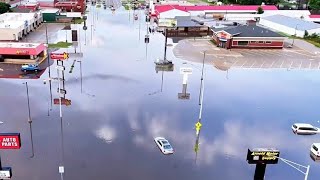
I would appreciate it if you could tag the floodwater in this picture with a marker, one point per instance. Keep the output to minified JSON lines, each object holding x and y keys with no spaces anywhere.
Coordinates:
{"x":109,"y":127}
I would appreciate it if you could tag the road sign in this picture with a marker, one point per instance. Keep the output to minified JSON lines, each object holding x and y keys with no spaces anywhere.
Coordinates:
{"x":59,"y":56}
{"x":10,"y":141}
{"x":263,"y":155}
{"x":185,"y":70}
{"x":60,"y":68}
{"x":61,"y":169}
{"x":5,"y":173}
{"x":198,"y":125}
{"x":64,"y":101}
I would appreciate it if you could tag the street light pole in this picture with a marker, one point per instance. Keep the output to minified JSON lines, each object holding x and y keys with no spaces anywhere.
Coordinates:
{"x":200,"y":94}
{"x":30,"y":121}
{"x":80,"y":74}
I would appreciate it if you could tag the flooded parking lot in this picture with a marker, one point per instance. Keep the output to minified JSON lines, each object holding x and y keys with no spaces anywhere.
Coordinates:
{"x":119,"y":103}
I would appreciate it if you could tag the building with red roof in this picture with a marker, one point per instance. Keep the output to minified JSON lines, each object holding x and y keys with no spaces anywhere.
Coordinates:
{"x":204,"y":10}
{"x":71,"y":6}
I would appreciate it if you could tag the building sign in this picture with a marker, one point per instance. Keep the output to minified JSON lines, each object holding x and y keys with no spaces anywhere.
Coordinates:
{"x":5,"y":173}
{"x":185,"y":70}
{"x":59,"y":56}
{"x":64,"y":101}
{"x":263,"y":156}
{"x":10,"y":141}
{"x":167,"y":23}
{"x":22,"y":52}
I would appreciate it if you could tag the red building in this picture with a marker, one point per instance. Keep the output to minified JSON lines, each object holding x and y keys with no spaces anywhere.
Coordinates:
{"x":71,"y":6}
{"x":247,"y":36}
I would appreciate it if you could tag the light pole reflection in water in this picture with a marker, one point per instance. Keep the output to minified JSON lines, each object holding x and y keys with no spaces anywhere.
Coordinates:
{"x":61,"y":167}
{"x":29,"y":120}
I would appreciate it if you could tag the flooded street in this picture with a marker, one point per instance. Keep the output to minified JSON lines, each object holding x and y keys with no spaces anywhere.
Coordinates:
{"x":123,"y":103}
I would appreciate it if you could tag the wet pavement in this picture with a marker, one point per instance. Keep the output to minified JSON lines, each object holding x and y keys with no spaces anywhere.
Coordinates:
{"x":109,"y":127}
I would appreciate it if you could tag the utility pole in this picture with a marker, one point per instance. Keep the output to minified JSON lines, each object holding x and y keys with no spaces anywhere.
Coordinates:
{"x":30,"y":120}
{"x":165,"y":45}
{"x":201,"y":84}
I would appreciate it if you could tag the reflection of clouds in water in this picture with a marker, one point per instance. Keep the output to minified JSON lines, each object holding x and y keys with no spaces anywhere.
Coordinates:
{"x":233,"y":143}
{"x":98,"y":41}
{"x":101,"y":77}
{"x":106,"y":133}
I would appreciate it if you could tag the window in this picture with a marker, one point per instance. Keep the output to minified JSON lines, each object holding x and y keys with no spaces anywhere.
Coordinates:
{"x":254,"y":42}
{"x":167,"y":147}
{"x":242,"y":43}
{"x":294,"y":126}
{"x":307,"y":129}
{"x":268,"y":42}
{"x":315,"y":148}
{"x":160,"y":143}
{"x":260,"y":42}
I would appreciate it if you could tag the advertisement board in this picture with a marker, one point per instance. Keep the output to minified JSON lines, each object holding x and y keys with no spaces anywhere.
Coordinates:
{"x":167,"y":23}
{"x":10,"y":141}
{"x":263,"y":156}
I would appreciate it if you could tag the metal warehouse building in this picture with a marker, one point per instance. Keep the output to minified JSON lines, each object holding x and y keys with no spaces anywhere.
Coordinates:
{"x":13,"y":26}
{"x":289,"y":25}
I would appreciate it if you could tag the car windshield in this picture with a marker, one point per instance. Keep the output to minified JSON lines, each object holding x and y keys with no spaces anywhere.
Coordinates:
{"x":165,"y":142}
{"x":167,"y":147}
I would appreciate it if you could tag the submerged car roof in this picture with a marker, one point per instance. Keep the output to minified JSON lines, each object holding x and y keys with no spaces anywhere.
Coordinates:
{"x":303,"y":125}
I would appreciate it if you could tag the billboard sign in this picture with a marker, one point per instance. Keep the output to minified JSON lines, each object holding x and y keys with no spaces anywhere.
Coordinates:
{"x":64,"y":101}
{"x":263,"y":156}
{"x":167,"y":23}
{"x":59,"y":56}
{"x":185,"y":70}
{"x":10,"y":141}
{"x":5,"y":173}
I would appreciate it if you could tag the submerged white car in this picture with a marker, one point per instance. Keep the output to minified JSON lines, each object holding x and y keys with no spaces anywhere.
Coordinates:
{"x":164,"y":145}
{"x":305,"y":129}
{"x":315,"y":151}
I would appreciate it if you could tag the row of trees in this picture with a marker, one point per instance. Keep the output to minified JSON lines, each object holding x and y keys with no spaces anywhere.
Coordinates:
{"x":314,"y":4}
{"x":4,"y":7}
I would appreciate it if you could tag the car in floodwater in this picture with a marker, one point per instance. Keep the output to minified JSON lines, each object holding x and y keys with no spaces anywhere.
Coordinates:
{"x":164,"y":145}
{"x":30,"y":67}
{"x":304,"y":129}
{"x":315,"y":151}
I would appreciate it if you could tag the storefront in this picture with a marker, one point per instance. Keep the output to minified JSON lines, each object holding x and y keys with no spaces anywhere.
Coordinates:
{"x":247,"y":36}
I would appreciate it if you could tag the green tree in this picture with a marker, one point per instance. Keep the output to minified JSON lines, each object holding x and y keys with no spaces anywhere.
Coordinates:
{"x":314,"y":4}
{"x":4,"y":7}
{"x":260,"y":10}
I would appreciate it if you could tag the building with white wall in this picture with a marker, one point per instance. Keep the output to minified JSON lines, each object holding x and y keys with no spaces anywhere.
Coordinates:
{"x":13,"y":26}
{"x":289,"y":25}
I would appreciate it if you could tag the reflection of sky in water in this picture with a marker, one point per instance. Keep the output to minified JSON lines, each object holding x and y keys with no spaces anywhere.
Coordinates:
{"x":109,"y":129}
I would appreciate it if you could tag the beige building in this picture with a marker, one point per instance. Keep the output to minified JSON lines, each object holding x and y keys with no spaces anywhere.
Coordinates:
{"x":5,"y":1}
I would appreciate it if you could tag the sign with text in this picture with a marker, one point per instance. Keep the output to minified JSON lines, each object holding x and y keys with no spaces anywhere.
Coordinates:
{"x":59,"y":56}
{"x":263,"y":156}
{"x":5,"y":173}
{"x":185,"y":70}
{"x":64,"y":101}
{"x":10,"y":141}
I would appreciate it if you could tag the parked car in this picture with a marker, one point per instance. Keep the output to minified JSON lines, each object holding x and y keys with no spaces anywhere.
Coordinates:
{"x":304,"y":129}
{"x":164,"y":145}
{"x":29,"y":67}
{"x":315,"y":151}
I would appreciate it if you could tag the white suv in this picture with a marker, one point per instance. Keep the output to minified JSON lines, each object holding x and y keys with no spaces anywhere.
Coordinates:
{"x":315,"y":151}
{"x":307,"y":129}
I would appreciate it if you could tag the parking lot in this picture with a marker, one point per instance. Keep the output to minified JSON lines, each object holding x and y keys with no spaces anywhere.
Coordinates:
{"x":288,"y":58}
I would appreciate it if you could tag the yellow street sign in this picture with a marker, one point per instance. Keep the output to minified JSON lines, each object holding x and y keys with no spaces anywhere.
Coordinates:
{"x":65,"y":55}
{"x":198,"y":125}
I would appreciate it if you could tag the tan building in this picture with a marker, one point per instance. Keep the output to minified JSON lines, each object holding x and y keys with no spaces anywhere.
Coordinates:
{"x":5,"y":1}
